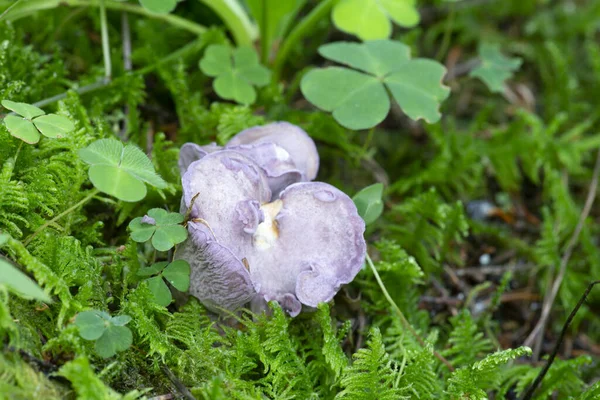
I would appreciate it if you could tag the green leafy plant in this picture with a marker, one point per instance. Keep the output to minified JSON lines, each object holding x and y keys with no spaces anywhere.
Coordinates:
{"x":164,"y":228}
{"x":369,"y":203}
{"x":33,"y":121}
{"x":474,"y":381}
{"x":159,"y":6}
{"x":110,"y":333}
{"x":20,"y":284}
{"x":236,"y":72}
{"x":370,"y":19}
{"x":274,"y":18}
{"x":120,"y":171}
{"x":504,"y":176}
{"x":495,"y":67}
{"x":177,"y":273}
{"x":359,"y":100}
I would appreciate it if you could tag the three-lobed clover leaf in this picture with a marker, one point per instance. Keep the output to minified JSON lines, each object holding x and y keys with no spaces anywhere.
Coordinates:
{"x":120,"y":171}
{"x":359,"y":97}
{"x":32,"y":121}
{"x":163,"y":227}
{"x":369,"y":203}
{"x":176,"y":273}
{"x":370,"y":19}
{"x":19,"y":283}
{"x":110,"y":333}
{"x":495,"y":68}
{"x":236,"y":72}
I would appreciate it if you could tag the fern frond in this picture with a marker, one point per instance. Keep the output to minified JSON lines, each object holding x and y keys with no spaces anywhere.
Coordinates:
{"x":473,"y":382}
{"x":88,"y":385}
{"x":429,"y":227}
{"x":563,"y":379}
{"x":466,"y":341}
{"x":420,"y":379}
{"x":331,"y":349}
{"x":140,"y":305}
{"x":372,"y":375}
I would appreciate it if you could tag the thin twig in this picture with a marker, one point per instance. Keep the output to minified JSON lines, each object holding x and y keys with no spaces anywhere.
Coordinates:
{"x":178,"y":384}
{"x":462,"y":69}
{"x":537,"y":333}
{"x":565,"y":328}
{"x":82,"y":90}
{"x":492,"y":269}
{"x":62,"y":214}
{"x":44,"y":366}
{"x":403,"y":319}
{"x":181,"y":52}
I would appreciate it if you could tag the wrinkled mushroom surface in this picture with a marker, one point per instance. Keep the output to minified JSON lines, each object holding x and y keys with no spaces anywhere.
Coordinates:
{"x":248,"y":246}
{"x":288,"y":136}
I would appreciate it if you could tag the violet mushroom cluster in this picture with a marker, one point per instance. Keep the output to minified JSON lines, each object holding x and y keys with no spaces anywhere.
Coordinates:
{"x":260,"y":230}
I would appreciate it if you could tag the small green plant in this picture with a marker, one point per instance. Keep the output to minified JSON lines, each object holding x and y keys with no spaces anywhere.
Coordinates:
{"x":164,"y":228}
{"x":359,"y":100}
{"x":33,"y":121}
{"x":236,"y":71}
{"x":176,"y":273}
{"x":495,"y":67}
{"x":369,"y":203}
{"x":110,"y":333}
{"x":120,"y":171}
{"x":370,"y":19}
{"x":19,"y":283}
{"x":159,"y":6}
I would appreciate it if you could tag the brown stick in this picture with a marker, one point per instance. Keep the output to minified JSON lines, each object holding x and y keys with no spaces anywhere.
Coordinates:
{"x":537,"y":334}
{"x":544,"y":370}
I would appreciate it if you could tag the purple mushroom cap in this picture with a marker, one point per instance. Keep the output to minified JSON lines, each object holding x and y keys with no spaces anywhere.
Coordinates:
{"x":244,"y":247}
{"x":290,"y":137}
{"x":276,"y":162}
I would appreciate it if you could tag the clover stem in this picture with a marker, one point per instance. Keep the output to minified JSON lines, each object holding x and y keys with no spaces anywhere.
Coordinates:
{"x":235,"y":19}
{"x":368,"y":140}
{"x":105,"y":43}
{"x":403,"y":319}
{"x":174,"y":20}
{"x":298,"y":33}
{"x":62,"y":214}
{"x":18,"y":151}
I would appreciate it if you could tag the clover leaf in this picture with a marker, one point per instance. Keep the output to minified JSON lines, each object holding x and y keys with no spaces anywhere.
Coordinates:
{"x":495,"y":68}
{"x":110,"y":333}
{"x":370,"y":19}
{"x":368,"y":202}
{"x":163,"y":227}
{"x":236,"y":72}
{"x":120,"y":171}
{"x":32,"y":121}
{"x":176,"y":273}
{"x":20,"y":284}
{"x":359,"y":99}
